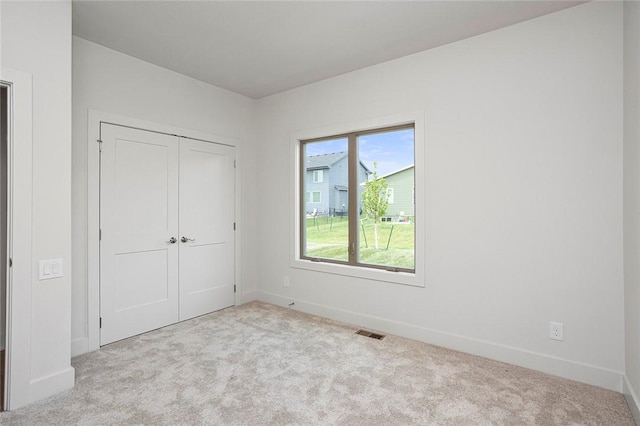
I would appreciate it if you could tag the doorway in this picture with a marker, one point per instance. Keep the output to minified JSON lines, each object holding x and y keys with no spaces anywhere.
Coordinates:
{"x":4,"y":143}
{"x":16,"y":195}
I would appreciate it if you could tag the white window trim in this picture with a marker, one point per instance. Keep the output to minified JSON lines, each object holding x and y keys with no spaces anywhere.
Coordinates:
{"x":416,"y":278}
{"x":319,"y":173}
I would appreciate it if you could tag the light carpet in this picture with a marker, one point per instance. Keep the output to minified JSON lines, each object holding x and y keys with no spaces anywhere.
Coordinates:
{"x":263,"y":364}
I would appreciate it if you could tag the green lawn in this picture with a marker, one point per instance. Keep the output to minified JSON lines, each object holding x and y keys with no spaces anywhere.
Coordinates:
{"x":327,"y":237}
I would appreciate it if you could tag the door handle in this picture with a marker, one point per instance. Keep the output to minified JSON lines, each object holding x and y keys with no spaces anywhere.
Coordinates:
{"x":172,"y":240}
{"x":186,"y":240}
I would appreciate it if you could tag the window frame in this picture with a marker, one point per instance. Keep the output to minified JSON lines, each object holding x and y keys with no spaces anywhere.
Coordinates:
{"x":319,"y":173}
{"x":415,"y":277}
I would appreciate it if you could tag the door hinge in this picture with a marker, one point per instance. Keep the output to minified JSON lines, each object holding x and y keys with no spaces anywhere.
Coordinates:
{"x":99,"y":145}
{"x":234,"y":226}
{"x":100,"y":322}
{"x":234,"y":288}
{"x":10,"y":262}
{"x":100,"y":234}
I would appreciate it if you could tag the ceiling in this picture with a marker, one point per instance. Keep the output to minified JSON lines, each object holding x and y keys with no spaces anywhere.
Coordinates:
{"x":258,"y":48}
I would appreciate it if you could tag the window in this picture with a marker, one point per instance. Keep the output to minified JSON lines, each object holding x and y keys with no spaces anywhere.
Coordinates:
{"x":313,"y":197}
{"x":358,"y":229}
{"x":390,"y":195}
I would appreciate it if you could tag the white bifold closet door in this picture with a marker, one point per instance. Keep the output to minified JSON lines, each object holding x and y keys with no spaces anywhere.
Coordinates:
{"x":166,"y":224}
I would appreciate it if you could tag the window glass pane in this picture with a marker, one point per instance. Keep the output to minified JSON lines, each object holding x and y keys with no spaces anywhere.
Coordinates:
{"x":385,"y":198}
{"x":325,"y":212}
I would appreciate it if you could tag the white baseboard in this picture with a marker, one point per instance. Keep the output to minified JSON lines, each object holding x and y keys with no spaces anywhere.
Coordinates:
{"x":568,"y":369}
{"x":50,"y":385}
{"x":632,"y":399}
{"x":79,"y":346}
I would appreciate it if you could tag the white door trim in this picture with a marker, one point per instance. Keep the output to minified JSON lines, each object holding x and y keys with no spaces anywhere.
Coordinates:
{"x":93,"y":203}
{"x":20,"y":193}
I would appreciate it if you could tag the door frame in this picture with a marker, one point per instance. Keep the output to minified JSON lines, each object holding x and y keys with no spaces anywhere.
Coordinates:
{"x":19,"y":244}
{"x":95,"y":118}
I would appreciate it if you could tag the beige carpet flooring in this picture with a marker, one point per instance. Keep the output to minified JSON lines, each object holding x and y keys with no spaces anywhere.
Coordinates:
{"x":262,"y":364}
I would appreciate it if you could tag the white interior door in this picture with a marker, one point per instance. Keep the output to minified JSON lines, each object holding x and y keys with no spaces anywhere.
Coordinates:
{"x":207,"y":211}
{"x":138,"y":218}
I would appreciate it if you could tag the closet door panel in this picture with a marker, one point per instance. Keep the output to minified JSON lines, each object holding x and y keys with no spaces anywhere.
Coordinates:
{"x":138,"y":218}
{"x":207,"y":211}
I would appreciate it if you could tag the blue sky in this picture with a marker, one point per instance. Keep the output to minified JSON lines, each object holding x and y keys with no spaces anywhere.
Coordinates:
{"x":391,"y":150}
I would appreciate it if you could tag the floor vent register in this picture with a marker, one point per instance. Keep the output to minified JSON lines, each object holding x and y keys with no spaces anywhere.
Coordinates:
{"x":370,"y":334}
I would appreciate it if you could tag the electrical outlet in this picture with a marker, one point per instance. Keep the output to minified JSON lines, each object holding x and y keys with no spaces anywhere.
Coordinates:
{"x":556,"y":331}
{"x":285,"y":281}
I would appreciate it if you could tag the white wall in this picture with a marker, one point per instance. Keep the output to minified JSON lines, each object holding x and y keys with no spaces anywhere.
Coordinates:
{"x":36,"y":39}
{"x":524,"y":194}
{"x":632,"y":202}
{"x":108,"y":81}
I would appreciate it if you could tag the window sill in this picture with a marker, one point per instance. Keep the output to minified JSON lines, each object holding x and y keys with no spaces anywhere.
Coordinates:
{"x":404,"y":278}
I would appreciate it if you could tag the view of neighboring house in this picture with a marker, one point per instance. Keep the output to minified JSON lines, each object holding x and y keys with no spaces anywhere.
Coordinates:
{"x":326,"y":183}
{"x":400,"y":195}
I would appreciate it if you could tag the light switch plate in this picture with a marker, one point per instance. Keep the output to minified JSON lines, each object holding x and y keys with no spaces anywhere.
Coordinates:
{"x":51,"y":268}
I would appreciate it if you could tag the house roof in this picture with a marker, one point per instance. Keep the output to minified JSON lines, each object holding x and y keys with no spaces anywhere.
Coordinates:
{"x":397,"y":171}
{"x":325,"y":161}
{"x":392,"y":173}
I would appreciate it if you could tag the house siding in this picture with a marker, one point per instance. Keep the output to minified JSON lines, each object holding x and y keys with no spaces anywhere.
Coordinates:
{"x":322,"y":187}
{"x":403,"y":185}
{"x":331,"y":198}
{"x":339,"y":177}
